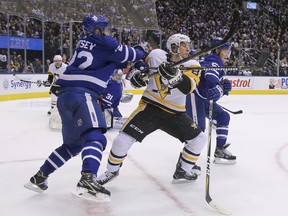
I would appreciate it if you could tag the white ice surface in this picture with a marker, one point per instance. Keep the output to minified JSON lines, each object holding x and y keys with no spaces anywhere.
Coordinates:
{"x":256,"y":185}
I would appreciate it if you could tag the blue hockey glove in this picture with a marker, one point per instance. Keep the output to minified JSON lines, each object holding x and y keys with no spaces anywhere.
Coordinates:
{"x":214,"y":93}
{"x":227,"y":86}
{"x":141,"y":66}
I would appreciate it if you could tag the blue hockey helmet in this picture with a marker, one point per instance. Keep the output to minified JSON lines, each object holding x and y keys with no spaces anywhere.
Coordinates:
{"x":215,"y":41}
{"x":92,"y":22}
{"x":117,"y":75}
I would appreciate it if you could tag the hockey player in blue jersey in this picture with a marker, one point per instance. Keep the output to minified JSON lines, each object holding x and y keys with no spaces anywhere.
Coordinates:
{"x":83,"y":125}
{"x":213,"y":86}
{"x":112,"y":95}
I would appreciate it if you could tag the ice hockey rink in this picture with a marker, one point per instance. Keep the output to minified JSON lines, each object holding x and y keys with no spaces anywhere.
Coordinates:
{"x":256,"y":185}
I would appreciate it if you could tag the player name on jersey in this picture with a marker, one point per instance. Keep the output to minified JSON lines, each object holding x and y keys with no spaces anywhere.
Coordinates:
{"x":86,"y":44}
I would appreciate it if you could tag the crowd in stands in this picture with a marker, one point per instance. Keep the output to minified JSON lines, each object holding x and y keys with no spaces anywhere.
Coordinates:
{"x":202,"y":20}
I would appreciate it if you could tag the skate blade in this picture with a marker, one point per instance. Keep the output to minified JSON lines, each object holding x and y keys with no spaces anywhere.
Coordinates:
{"x":224,"y":161}
{"x":33,"y":187}
{"x":197,"y":172}
{"x":83,"y":194}
{"x":182,"y":181}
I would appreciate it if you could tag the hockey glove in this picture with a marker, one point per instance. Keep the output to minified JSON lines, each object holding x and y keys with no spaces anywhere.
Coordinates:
{"x":46,"y":83}
{"x":170,"y":74}
{"x":214,"y":93}
{"x":226,"y":85}
{"x":138,"y":79}
{"x":141,"y":66}
{"x":55,"y":90}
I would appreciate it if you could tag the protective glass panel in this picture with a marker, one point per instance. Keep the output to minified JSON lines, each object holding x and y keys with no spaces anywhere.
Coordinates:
{"x":33,"y":31}
{"x":121,"y":13}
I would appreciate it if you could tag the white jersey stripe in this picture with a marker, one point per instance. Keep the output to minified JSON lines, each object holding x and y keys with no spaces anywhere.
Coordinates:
{"x":91,"y":156}
{"x":60,"y":157}
{"x":134,"y":54}
{"x":91,"y":109}
{"x":91,"y":147}
{"x":87,"y":78}
{"x":52,"y":163}
{"x":126,"y":54}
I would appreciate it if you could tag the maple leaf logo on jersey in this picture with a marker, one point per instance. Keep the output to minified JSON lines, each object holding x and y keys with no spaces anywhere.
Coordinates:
{"x":95,"y":18}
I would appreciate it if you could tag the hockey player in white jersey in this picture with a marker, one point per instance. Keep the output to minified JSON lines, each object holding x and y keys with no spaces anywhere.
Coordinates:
{"x":56,"y":69}
{"x":162,"y":106}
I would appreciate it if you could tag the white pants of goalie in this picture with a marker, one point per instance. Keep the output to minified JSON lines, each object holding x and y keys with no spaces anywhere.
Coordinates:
{"x":55,"y":122}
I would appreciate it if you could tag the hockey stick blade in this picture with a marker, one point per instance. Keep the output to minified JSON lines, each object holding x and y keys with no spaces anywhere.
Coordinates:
{"x":233,"y":28}
{"x":208,"y":198}
{"x":39,"y":83}
{"x":218,"y":208}
{"x":233,"y":112}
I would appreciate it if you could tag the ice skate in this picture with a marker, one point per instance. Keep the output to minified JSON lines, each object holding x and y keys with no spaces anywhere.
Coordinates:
{"x":181,"y":176}
{"x":223,"y":156}
{"x":38,"y":182}
{"x":196,"y":170}
{"x":88,"y":188}
{"x":107,"y":177}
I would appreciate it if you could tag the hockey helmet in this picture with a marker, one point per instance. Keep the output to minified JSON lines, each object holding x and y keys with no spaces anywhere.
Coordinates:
{"x":117,"y":75}
{"x":176,"y":40}
{"x":216,"y":41}
{"x":93,"y":22}
{"x":57,"y":58}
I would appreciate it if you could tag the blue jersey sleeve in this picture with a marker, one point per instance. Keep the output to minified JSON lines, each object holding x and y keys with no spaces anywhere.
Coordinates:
{"x":94,"y":61}
{"x":213,"y":77}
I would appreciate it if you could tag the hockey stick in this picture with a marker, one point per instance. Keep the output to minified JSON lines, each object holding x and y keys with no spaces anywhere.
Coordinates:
{"x":233,"y":28}
{"x":208,"y":198}
{"x":263,"y":56}
{"x":39,"y":83}
{"x":233,"y":112}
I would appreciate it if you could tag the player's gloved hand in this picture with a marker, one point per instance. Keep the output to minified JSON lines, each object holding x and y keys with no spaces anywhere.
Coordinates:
{"x":39,"y":83}
{"x":141,"y":66}
{"x":138,"y":79}
{"x":227,"y":86}
{"x":170,"y":74}
{"x":214,"y":93}
{"x":46,"y":83}
{"x":55,"y":90}
{"x":138,"y":76}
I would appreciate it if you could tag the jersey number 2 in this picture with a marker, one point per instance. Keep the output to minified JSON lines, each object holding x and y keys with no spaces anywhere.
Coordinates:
{"x":85,"y":54}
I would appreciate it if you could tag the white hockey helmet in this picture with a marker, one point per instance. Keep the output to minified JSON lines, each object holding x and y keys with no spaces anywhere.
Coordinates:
{"x":57,"y":58}
{"x":175,"y":40}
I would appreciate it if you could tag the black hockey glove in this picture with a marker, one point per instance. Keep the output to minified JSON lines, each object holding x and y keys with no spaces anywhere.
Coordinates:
{"x":55,"y":90}
{"x":46,"y":83}
{"x":138,"y":76}
{"x":138,"y":79}
{"x":169,"y":74}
